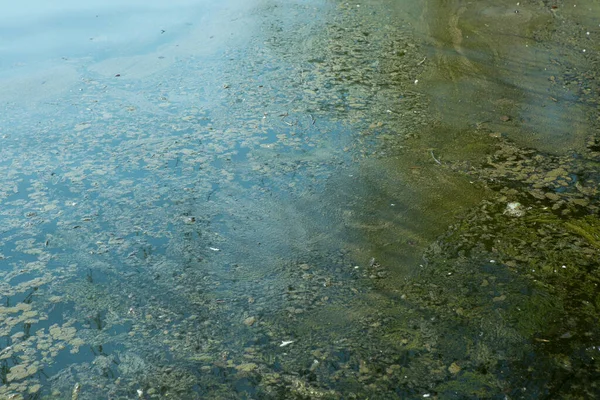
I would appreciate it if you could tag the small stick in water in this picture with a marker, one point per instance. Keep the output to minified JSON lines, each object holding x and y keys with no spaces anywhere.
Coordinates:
{"x":435,"y":159}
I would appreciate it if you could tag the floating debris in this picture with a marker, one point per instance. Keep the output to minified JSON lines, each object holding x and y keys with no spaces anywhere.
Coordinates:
{"x":76,"y":390}
{"x":514,"y":209}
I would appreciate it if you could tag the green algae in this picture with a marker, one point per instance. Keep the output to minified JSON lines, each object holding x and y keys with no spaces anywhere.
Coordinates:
{"x":588,"y":228}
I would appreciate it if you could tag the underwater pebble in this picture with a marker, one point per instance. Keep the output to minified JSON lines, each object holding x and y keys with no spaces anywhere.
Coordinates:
{"x":514,"y":209}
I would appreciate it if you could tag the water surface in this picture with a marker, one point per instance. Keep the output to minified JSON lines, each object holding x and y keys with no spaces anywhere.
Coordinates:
{"x":316,"y":199}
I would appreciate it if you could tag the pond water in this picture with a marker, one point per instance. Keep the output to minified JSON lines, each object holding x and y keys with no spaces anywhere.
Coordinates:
{"x":299,"y":200}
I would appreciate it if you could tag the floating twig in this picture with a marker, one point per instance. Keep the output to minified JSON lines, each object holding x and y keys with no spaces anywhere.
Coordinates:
{"x":291,"y":101}
{"x":435,"y":159}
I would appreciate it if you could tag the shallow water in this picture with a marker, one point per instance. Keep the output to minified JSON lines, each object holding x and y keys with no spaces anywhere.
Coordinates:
{"x":299,"y":200}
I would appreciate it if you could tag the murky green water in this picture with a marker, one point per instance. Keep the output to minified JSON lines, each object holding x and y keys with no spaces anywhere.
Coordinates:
{"x":299,"y":200}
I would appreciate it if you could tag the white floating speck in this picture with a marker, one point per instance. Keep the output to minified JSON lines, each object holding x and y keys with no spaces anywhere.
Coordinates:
{"x":285,"y":343}
{"x":214,"y":249}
